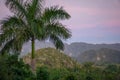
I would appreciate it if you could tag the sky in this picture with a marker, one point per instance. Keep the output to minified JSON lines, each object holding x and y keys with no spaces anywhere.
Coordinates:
{"x":92,"y":21}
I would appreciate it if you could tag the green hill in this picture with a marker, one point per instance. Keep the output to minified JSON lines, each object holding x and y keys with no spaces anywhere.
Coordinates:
{"x":103,"y":55}
{"x":52,"y":58}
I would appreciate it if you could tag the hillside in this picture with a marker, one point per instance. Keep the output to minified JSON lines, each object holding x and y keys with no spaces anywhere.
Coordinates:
{"x":52,"y":58}
{"x":77,"y":49}
{"x":103,"y":55}
{"x":73,"y":49}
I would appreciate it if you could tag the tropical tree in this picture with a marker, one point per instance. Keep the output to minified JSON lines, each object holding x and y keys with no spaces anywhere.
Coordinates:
{"x":32,"y":21}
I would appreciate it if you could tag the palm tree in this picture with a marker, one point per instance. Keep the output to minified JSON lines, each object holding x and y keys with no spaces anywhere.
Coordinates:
{"x":30,"y":22}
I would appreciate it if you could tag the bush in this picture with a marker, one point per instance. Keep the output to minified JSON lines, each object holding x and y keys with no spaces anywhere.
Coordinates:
{"x":12,"y":68}
{"x":71,"y":77}
{"x":42,"y":73}
{"x":58,"y":73}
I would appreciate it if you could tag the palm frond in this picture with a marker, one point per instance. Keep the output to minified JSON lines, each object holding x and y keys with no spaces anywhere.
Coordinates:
{"x":54,"y":13}
{"x":12,"y":22}
{"x":38,"y":29}
{"x":15,"y":43}
{"x":57,"y":42}
{"x":7,"y":47}
{"x":11,"y":27}
{"x":6,"y":37}
{"x":17,"y":7}
{"x":35,"y":8}
{"x":20,"y":39}
{"x":59,"y":30}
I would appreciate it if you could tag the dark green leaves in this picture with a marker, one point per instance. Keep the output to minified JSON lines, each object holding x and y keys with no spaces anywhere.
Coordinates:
{"x":17,"y":7}
{"x":55,"y":13}
{"x":59,"y":30}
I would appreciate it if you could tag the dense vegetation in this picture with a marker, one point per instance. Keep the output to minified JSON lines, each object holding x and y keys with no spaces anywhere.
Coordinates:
{"x":51,"y":57}
{"x":13,"y":68}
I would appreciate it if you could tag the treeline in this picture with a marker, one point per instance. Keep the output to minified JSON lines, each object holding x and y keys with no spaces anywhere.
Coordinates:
{"x":13,"y":68}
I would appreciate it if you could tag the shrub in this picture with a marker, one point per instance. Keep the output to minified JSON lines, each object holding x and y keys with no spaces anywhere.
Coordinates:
{"x":12,"y":68}
{"x":42,"y":73}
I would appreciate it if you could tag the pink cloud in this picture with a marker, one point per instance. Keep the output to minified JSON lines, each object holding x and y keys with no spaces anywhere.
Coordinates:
{"x":112,"y":23}
{"x":91,"y":11}
{"x":78,"y":10}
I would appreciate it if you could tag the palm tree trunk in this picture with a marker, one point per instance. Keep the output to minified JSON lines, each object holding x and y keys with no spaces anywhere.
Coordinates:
{"x":33,"y":61}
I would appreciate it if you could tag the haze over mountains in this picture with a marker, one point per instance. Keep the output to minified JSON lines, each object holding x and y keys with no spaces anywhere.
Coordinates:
{"x":74,"y":49}
{"x":78,"y":50}
{"x":101,"y":56}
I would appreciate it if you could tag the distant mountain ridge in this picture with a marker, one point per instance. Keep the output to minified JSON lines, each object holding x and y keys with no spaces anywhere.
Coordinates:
{"x":73,"y":49}
{"x":83,"y":52}
{"x":100,"y":56}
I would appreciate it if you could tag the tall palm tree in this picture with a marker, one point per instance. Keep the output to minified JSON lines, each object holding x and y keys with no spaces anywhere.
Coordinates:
{"x":30,"y":22}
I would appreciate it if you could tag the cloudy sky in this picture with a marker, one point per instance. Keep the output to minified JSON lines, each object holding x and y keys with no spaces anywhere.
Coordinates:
{"x":92,"y":21}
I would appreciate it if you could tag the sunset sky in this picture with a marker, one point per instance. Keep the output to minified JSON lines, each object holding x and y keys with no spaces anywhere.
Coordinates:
{"x":92,"y":21}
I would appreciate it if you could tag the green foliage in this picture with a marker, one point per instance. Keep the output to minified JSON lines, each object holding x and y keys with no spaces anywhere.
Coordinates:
{"x":13,"y":69}
{"x":58,"y":73}
{"x":71,"y":77}
{"x":52,"y":58}
{"x":111,"y":68}
{"x":111,"y":72}
{"x":89,"y":78}
{"x":42,"y":73}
